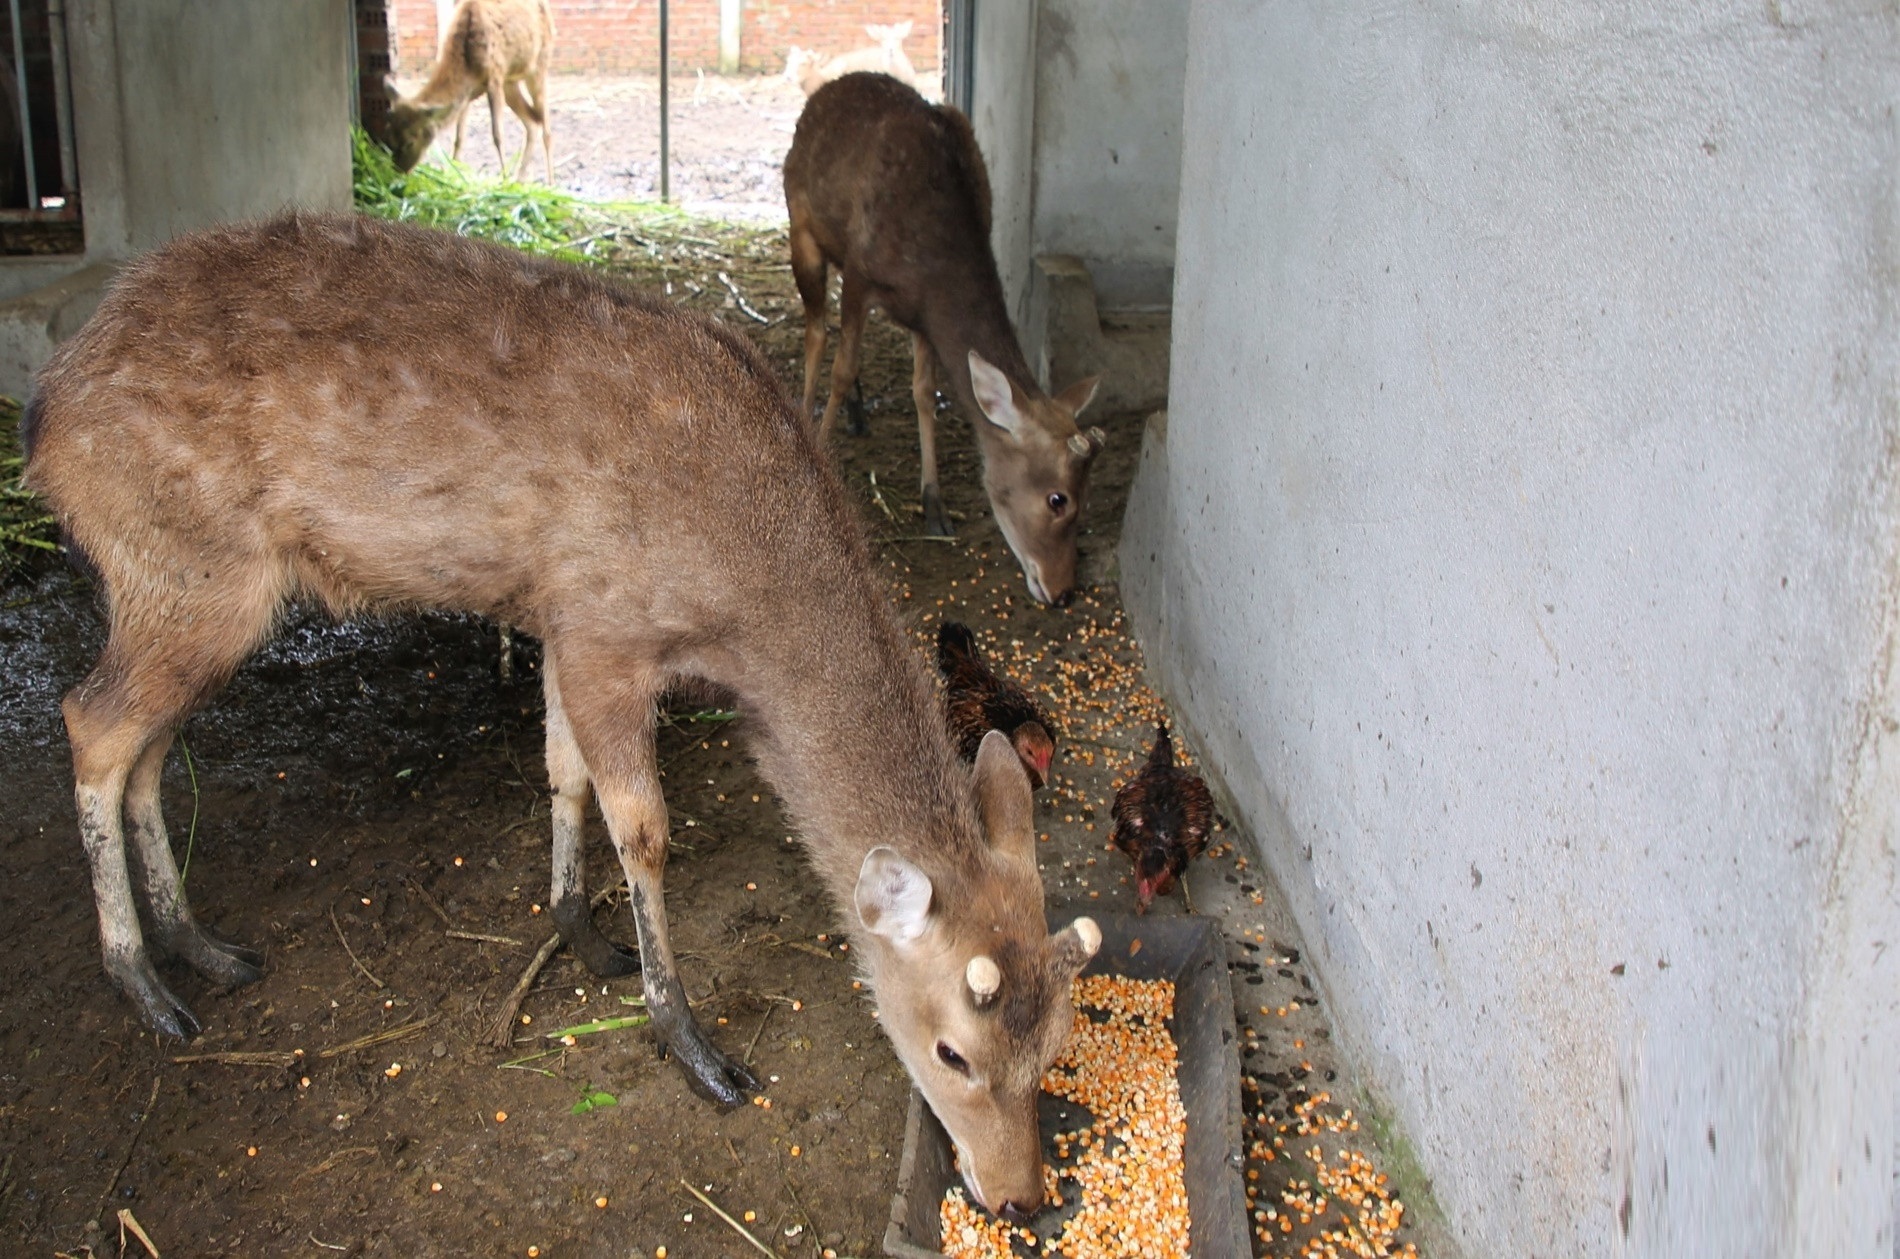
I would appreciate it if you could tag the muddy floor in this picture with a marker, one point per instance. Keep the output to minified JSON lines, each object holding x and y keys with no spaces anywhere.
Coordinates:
{"x":368,"y":804}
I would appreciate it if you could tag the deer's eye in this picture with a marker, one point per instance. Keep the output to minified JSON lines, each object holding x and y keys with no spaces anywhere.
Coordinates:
{"x":1058,"y":501}
{"x":951,"y":1058}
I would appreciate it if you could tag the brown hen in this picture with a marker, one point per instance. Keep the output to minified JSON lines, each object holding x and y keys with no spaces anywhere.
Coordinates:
{"x":977,"y":700}
{"x":1162,"y":820}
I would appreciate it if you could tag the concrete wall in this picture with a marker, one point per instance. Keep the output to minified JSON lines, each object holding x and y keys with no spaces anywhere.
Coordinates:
{"x":1523,"y":552}
{"x":185,"y":113}
{"x":1003,"y":112}
{"x":232,"y":109}
{"x":1108,"y":84}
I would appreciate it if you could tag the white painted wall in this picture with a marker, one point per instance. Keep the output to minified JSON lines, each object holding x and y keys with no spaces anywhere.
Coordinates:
{"x":1002,"y":114}
{"x":1524,"y":553}
{"x":185,"y":113}
{"x":232,"y":109}
{"x":1078,"y":110}
{"x":1109,"y":81}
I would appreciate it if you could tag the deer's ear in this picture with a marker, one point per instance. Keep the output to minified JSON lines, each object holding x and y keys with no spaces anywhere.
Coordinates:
{"x":995,"y":395}
{"x":893,"y":896}
{"x":1003,"y":798}
{"x":1080,"y":394}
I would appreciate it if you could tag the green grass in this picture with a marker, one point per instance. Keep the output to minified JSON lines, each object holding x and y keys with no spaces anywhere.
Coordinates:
{"x":27,"y":531}
{"x":532,"y":217}
{"x":646,"y":241}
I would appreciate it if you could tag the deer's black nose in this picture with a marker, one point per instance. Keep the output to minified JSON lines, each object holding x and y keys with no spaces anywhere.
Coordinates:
{"x":1015,"y":1214}
{"x":1064,"y":599}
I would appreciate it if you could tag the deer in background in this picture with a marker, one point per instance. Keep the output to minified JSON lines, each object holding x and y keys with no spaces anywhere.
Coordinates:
{"x":370,"y":416}
{"x":500,"y":48}
{"x":893,"y":192}
{"x":812,"y":70}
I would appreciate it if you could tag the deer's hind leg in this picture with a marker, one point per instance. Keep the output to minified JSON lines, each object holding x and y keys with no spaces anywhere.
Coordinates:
{"x":567,"y":903}
{"x":813,"y":276}
{"x":923,"y":392}
{"x":494,"y":123}
{"x":612,"y":719}
{"x":174,"y":929}
{"x":531,"y":117}
{"x":853,"y":305}
{"x":160,"y":662}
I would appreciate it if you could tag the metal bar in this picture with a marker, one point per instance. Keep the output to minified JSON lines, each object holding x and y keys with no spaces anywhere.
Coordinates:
{"x":62,"y":99}
{"x":26,"y":111}
{"x":666,"y":174}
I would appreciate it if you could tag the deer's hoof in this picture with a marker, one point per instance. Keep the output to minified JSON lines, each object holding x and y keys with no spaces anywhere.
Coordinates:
{"x":161,"y":1011}
{"x":724,"y":1081}
{"x":602,"y":957}
{"x":225,"y":964}
{"x":936,"y":523}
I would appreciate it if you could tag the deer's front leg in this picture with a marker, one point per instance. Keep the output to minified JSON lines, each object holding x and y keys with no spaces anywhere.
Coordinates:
{"x":636,"y":816}
{"x":612,"y":721}
{"x":572,"y":912}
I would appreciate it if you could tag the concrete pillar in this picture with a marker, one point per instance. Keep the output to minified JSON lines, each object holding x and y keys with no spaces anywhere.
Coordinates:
{"x":731,"y":12}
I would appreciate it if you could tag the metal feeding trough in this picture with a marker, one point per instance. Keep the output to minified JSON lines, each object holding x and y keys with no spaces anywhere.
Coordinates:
{"x":1187,"y":951}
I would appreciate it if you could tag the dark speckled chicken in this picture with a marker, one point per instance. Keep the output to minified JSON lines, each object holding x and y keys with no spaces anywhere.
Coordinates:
{"x":977,"y":700}
{"x":1162,"y":820}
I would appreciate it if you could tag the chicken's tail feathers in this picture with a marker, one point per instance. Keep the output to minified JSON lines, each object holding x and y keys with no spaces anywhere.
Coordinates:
{"x":955,"y":644}
{"x":1163,"y":751}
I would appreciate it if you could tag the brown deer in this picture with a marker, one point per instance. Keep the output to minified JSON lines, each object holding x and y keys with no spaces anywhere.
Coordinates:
{"x":493,"y":47}
{"x":368,"y":416}
{"x":892,"y":191}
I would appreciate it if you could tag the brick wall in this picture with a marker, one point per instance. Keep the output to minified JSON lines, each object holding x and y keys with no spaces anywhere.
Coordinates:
{"x":623,"y":36}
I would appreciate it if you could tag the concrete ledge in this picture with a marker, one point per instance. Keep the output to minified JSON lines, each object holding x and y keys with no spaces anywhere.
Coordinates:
{"x":33,"y":324}
{"x":1068,"y":336}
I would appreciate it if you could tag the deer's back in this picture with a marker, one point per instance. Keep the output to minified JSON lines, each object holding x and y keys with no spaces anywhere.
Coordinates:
{"x":505,"y":37}
{"x":891,"y":186}
{"x":396,"y":415}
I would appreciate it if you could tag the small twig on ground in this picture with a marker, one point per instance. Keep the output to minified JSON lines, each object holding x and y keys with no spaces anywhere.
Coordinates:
{"x":534,"y":815}
{"x":128,"y":1223}
{"x":804,"y":1216}
{"x":916,"y":537}
{"x":144,"y":1117}
{"x":191,"y":834}
{"x":877,"y":496}
{"x":739,"y":297}
{"x":234,"y":1058}
{"x":355,"y":1151}
{"x":763,"y":1020}
{"x":501,"y":1033}
{"x":429,"y":900}
{"x":741,"y":1229}
{"x":357,"y":961}
{"x":484,"y":937}
{"x":801,"y":946}
{"x":378,"y":1038}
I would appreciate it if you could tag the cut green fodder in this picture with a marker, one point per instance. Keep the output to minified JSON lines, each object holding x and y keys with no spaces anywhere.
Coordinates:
{"x":27,"y":530}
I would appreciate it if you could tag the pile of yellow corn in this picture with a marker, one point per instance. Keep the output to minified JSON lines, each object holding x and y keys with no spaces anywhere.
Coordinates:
{"x":1127,"y":1164}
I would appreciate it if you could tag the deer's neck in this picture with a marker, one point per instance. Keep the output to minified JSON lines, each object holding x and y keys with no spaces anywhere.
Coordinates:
{"x":846,"y":726}
{"x":966,"y":312}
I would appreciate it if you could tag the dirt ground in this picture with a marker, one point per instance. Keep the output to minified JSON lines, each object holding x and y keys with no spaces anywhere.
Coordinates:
{"x":727,"y":140}
{"x":368,"y":804}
